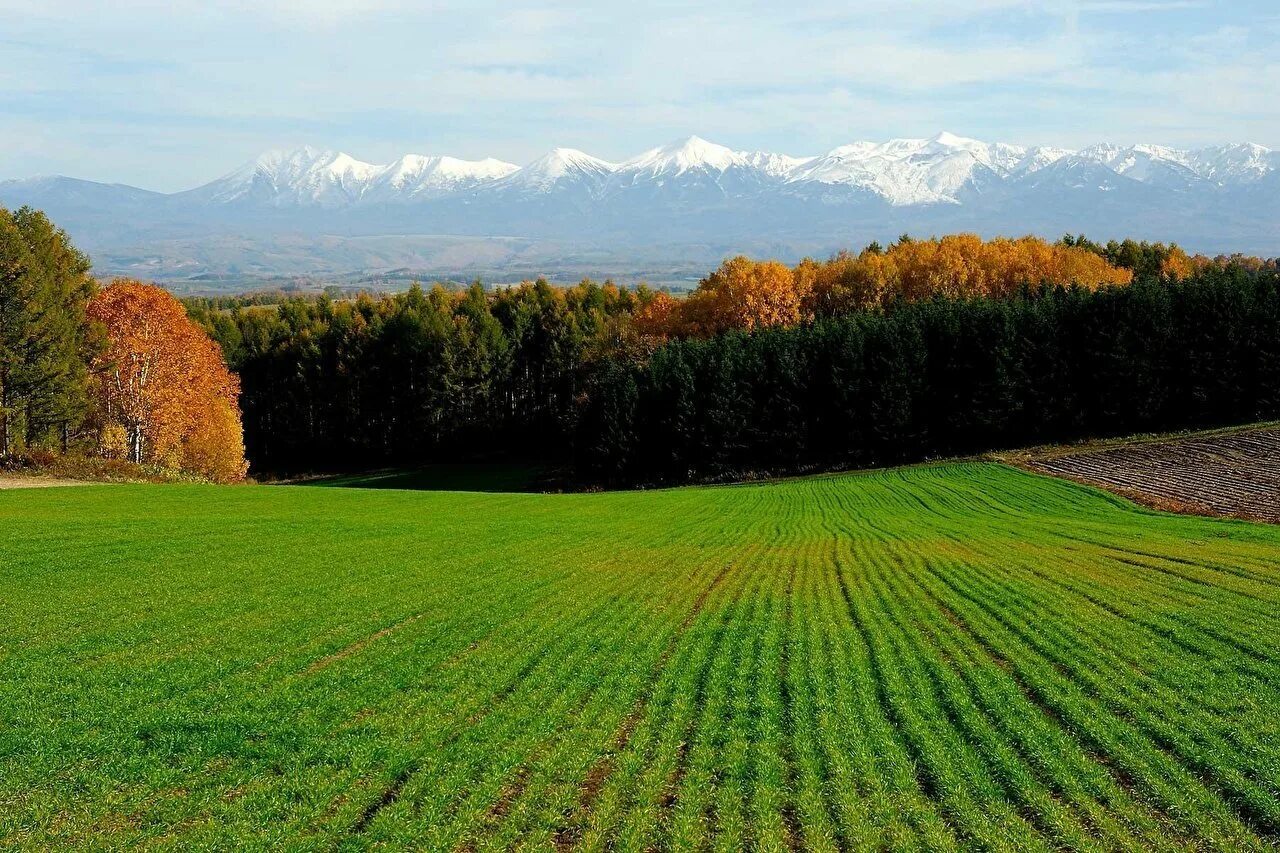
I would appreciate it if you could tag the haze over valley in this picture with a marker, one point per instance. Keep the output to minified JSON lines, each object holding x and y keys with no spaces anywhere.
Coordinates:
{"x":663,"y":215}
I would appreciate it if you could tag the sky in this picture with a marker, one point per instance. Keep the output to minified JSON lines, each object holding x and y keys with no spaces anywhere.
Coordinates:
{"x":169,"y":94}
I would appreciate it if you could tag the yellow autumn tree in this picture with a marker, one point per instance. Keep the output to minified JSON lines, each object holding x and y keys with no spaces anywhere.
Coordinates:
{"x":745,"y":294}
{"x":1178,"y":265}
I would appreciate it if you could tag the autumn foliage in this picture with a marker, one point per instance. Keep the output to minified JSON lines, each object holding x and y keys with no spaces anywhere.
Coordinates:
{"x":164,"y":393}
{"x":747,"y":294}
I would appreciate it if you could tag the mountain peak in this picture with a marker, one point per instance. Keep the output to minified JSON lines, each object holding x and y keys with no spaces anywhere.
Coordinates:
{"x":573,"y":157}
{"x":951,"y":140}
{"x":680,"y":156}
{"x":419,"y":175}
{"x":561,"y":167}
{"x":275,"y":158}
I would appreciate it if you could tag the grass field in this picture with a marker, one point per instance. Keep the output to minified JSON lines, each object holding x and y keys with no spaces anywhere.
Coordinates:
{"x":962,"y":656}
{"x":445,"y":477}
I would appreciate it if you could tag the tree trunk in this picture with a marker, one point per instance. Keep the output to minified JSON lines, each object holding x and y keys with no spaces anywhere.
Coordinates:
{"x":135,"y":444}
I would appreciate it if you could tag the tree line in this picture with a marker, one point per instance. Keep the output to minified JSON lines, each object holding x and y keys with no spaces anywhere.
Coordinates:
{"x":418,"y":376}
{"x":749,"y":294}
{"x":944,"y":377}
{"x":919,"y":349}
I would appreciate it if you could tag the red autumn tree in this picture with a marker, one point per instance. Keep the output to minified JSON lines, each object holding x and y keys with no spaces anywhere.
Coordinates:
{"x":163,"y":389}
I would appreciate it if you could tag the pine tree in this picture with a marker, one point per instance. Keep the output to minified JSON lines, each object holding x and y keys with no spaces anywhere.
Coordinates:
{"x":44,"y":341}
{"x":15,"y":323}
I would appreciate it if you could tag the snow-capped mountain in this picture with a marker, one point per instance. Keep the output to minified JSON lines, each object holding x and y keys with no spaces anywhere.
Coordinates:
{"x":416,"y":177}
{"x":560,"y":169}
{"x":691,"y":192}
{"x":903,"y":172}
{"x":1241,"y":163}
{"x":912,"y":171}
{"x":332,"y":179}
{"x":694,"y":154}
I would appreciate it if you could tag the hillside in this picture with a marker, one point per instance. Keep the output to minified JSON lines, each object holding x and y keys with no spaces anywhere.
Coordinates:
{"x":941,"y":657}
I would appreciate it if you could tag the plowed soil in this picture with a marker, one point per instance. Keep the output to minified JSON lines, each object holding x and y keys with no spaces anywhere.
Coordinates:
{"x":1235,"y":474}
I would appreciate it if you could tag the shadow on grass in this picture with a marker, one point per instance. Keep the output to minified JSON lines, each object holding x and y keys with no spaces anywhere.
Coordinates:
{"x":446,"y":477}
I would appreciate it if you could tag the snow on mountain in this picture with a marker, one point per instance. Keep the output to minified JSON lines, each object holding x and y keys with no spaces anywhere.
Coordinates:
{"x":284,"y":178}
{"x":1241,"y":162}
{"x":415,"y":176}
{"x":1223,"y":165}
{"x":692,"y":154}
{"x":774,"y":165}
{"x":1076,"y":173}
{"x":1036,"y":158}
{"x":313,"y":177}
{"x":560,"y":168}
{"x":694,"y":174}
{"x":690,"y":192}
{"x":913,"y":171}
{"x":1150,"y":164}
{"x":943,"y":169}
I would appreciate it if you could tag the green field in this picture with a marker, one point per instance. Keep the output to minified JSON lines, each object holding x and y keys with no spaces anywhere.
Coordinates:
{"x":961,"y":656}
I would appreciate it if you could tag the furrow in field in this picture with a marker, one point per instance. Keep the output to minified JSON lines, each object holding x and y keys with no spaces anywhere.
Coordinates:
{"x":1050,"y":802}
{"x":945,"y":657}
{"x":811,"y":777}
{"x":878,"y":791}
{"x":1140,"y":662}
{"x":950,"y":740}
{"x":1176,"y":790}
{"x":571,"y":832}
{"x":602,"y":677}
{"x":976,"y":815}
{"x":1100,"y":589}
{"x":1147,"y":612}
{"x":1194,"y":739}
{"x":1156,"y":607}
{"x":572,"y":632}
{"x":1038,"y":732}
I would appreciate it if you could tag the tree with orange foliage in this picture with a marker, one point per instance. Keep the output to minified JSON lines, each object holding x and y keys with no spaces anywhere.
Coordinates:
{"x":965,"y":265}
{"x":163,"y":389}
{"x":1177,"y":265}
{"x":745,"y":294}
{"x":660,"y":318}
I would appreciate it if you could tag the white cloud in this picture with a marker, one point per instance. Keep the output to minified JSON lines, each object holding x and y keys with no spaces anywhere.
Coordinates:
{"x":160,"y":92}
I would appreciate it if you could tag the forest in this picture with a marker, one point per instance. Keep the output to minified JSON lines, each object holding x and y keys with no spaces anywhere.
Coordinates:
{"x":922,"y":349}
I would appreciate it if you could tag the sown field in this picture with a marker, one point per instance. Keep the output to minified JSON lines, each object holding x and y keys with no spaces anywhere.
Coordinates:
{"x":1234,"y":473}
{"x":960,"y":656}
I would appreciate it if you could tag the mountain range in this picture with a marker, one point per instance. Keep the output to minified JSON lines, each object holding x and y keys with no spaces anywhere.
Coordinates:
{"x":665,"y":213}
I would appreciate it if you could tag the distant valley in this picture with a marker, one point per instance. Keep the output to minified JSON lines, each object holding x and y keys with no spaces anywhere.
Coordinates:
{"x":663,"y":216}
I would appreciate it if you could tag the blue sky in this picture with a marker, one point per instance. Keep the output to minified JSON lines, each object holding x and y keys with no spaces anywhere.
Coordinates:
{"x":167,"y":94}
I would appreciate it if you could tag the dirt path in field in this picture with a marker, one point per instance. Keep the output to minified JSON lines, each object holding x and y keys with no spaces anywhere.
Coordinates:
{"x":15,"y":481}
{"x":1234,"y":474}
